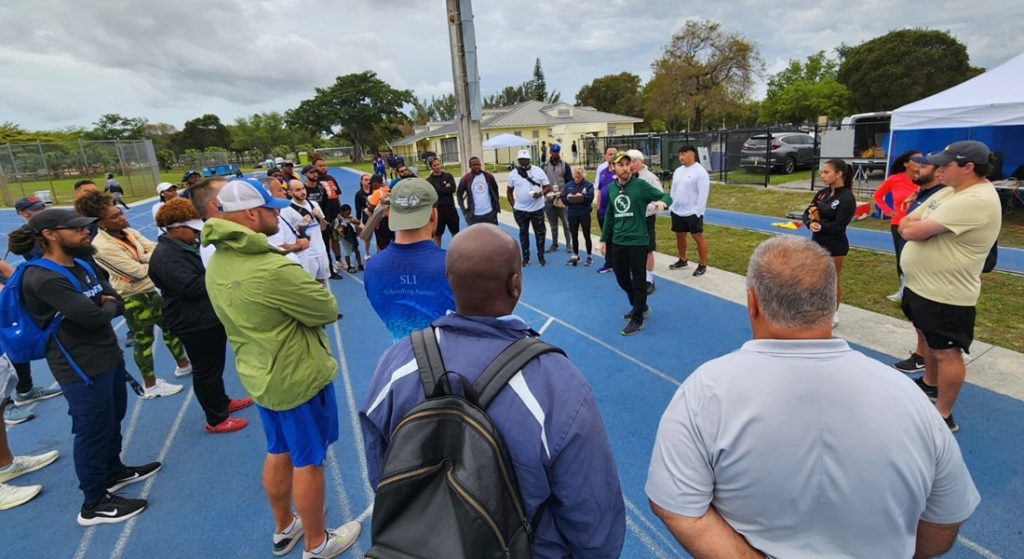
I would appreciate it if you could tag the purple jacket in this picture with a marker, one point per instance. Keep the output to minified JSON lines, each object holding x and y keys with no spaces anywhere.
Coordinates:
{"x":604,"y":177}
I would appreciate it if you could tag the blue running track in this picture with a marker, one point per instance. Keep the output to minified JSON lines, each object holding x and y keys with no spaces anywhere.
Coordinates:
{"x":208,"y":500}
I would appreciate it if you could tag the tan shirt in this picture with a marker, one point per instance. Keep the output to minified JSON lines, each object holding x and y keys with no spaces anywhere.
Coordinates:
{"x":128,"y":266}
{"x":946,"y":268}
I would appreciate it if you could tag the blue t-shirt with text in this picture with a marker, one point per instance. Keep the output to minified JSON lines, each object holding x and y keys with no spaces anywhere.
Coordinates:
{"x":407,"y":286}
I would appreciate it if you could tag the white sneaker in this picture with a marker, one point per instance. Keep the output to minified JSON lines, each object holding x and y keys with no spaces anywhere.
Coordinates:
{"x":13,"y":495}
{"x":338,"y":540}
{"x":835,"y":319}
{"x":286,"y":540}
{"x":25,"y":464}
{"x":895,"y":297}
{"x":161,"y":388}
{"x":183,"y":371}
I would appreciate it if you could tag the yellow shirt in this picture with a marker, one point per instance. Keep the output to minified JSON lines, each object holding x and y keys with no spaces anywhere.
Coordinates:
{"x":946,"y":268}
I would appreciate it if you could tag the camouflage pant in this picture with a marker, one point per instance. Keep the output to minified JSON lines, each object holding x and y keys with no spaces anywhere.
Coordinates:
{"x":142,"y":313}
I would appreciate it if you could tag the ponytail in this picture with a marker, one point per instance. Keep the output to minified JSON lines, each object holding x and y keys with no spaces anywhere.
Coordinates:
{"x":22,"y":241}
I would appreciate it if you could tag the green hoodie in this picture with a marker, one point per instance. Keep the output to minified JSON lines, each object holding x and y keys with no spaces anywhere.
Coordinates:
{"x":274,"y":314}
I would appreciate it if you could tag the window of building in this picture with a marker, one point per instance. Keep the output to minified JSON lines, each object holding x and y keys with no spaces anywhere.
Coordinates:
{"x":564,"y":112}
{"x":611,"y":130}
{"x":536,"y":133}
{"x":518,"y":133}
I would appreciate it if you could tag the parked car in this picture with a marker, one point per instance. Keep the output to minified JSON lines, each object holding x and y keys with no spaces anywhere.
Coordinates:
{"x":788,"y":152}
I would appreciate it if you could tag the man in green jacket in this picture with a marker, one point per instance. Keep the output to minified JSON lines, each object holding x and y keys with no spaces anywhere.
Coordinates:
{"x":282,"y":359}
{"x":625,"y":225}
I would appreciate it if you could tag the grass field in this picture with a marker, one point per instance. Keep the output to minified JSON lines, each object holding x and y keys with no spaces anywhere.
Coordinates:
{"x":137,"y":186}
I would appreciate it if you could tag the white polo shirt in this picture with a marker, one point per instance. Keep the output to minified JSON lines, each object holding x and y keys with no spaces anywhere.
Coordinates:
{"x":808,"y":448}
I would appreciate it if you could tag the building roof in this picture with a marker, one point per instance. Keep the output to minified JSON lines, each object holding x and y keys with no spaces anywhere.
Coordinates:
{"x":524,"y":115}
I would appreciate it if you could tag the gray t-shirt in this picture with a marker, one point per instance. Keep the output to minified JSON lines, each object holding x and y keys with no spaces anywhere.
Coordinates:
{"x":808,"y":448}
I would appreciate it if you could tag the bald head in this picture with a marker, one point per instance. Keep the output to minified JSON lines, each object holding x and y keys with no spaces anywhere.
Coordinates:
{"x":794,"y":282}
{"x":483,"y":267}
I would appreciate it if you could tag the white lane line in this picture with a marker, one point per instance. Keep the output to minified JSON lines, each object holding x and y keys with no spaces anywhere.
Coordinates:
{"x":353,"y":414}
{"x":126,"y":532}
{"x":339,"y":485}
{"x":652,"y":547}
{"x":657,"y":531}
{"x":546,"y":324}
{"x":625,"y":356}
{"x":977,"y":548}
{"x":365,"y":514}
{"x":83,"y":546}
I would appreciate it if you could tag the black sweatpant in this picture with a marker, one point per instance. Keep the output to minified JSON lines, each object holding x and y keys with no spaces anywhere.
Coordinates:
{"x":24,"y":371}
{"x":524,"y":220}
{"x":630,"y":267}
{"x":575,"y":223}
{"x":206,"y":349}
{"x":609,"y":247}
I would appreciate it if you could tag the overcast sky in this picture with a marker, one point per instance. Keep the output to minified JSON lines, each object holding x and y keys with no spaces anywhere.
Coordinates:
{"x":66,"y":62}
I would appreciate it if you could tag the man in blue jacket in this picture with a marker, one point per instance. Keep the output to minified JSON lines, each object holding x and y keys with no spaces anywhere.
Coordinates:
{"x":547,"y":415}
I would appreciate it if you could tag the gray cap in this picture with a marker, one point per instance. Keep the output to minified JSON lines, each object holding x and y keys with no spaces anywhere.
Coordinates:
{"x":966,"y":151}
{"x":411,"y":202}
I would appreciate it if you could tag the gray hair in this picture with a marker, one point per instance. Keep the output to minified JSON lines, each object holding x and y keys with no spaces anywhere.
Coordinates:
{"x":794,"y":280}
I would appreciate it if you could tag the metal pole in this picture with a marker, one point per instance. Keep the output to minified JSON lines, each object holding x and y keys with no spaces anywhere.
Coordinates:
{"x":46,"y":169}
{"x":462,"y":40}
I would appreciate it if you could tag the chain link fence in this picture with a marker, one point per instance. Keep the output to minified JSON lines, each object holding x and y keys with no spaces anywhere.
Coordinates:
{"x":50,"y":170}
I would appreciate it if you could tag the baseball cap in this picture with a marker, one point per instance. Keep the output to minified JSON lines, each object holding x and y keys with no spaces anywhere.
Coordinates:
{"x":920,"y":159}
{"x":189,"y":173}
{"x":635,"y":154}
{"x":966,"y":151}
{"x":306,"y":169}
{"x":411,"y":201}
{"x":160,"y":188}
{"x":556,"y":147}
{"x":619,"y":156}
{"x":28,"y":203}
{"x":523,"y":154}
{"x":278,"y":161}
{"x":58,"y":218}
{"x":286,"y":162}
{"x":247,"y":194}
{"x":193,"y":224}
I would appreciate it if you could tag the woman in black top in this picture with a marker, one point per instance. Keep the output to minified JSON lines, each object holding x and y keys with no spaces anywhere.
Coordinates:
{"x":361,"y":205}
{"x":830,"y":211}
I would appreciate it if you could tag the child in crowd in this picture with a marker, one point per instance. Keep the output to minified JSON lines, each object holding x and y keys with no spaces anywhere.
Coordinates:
{"x":346,"y":229}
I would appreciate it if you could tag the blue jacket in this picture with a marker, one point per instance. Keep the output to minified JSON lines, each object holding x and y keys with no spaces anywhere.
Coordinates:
{"x":582,"y":207}
{"x":550,"y":423}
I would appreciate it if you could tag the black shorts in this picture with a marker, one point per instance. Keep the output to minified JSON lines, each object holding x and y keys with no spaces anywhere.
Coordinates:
{"x":944,"y":326}
{"x":687,"y":223}
{"x":836,"y":246}
{"x":652,"y":239}
{"x":447,"y":216}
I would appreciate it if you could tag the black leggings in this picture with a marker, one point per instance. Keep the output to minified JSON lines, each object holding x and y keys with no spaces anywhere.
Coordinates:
{"x":897,"y":243}
{"x":630,"y":267}
{"x":525,"y":219}
{"x":206,"y":349}
{"x":24,"y":371}
{"x":575,"y":222}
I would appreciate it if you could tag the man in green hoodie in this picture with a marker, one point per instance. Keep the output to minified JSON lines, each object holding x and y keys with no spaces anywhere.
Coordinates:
{"x":282,"y":360}
{"x":625,"y":225}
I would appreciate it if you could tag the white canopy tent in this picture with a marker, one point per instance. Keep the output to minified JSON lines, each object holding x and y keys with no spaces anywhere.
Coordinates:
{"x":508,"y":141}
{"x":988,"y":108}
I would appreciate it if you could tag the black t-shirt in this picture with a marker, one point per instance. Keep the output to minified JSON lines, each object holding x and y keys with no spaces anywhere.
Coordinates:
{"x":331,"y":202}
{"x":444,"y":184}
{"x":86,"y":332}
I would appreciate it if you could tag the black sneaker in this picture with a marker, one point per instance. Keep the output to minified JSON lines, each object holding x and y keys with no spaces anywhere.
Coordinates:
{"x":629,"y":315}
{"x":130,"y":475}
{"x":701,"y":268}
{"x":931,"y":391}
{"x":650,"y":287}
{"x":911,"y":364}
{"x":110,"y":510}
{"x":589,"y":261}
{"x":542,"y":262}
{"x":678,"y":264}
{"x":605,"y":268}
{"x":632,"y":328}
{"x":336,"y":276}
{"x":953,"y":427}
{"x":526,"y":261}
{"x":553,"y":247}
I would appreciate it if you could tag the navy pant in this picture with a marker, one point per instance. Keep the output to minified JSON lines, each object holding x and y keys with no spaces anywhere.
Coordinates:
{"x":96,"y":412}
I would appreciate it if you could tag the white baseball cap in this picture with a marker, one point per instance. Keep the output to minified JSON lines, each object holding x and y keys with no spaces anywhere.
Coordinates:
{"x":635,"y":155}
{"x":160,"y":188}
{"x":193,"y":224}
{"x":247,"y":194}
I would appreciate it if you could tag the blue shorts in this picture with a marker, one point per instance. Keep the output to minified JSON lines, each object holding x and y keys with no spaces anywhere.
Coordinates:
{"x":304,"y":431}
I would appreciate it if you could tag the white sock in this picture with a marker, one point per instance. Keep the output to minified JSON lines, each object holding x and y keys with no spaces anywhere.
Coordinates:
{"x":323,"y":545}
{"x":650,"y":277}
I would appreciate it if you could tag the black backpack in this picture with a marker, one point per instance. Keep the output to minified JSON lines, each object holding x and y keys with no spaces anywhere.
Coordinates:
{"x":447,"y":488}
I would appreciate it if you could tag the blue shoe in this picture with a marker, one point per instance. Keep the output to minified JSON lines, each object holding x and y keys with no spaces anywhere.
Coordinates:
{"x":36,"y":394}
{"x":14,"y":415}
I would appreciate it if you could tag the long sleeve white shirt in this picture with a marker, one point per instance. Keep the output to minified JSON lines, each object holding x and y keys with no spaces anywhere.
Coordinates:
{"x":690,"y":188}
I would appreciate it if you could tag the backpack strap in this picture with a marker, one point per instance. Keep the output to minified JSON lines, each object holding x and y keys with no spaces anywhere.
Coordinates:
{"x":428,"y":358}
{"x":55,"y":267}
{"x":506,"y":365}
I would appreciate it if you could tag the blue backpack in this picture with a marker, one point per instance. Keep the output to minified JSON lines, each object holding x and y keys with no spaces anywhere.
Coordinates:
{"x":20,"y":337}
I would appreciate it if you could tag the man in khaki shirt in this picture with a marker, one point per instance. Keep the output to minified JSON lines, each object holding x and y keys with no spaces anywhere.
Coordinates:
{"x":948,"y":238}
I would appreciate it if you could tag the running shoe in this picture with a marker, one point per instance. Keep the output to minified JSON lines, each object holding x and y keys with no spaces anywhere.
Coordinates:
{"x":35,"y":394}
{"x":183,"y":371}
{"x":931,"y":391}
{"x":160,"y":389}
{"x":588,"y":261}
{"x":678,"y":264}
{"x":26,"y":464}
{"x":110,"y":510}
{"x":574,"y":260}
{"x":650,"y":288}
{"x":605,"y":268}
{"x":337,"y":541}
{"x":351,"y":269}
{"x":13,"y":495}
{"x":286,"y":540}
{"x":335,"y":276}
{"x":130,"y":475}
{"x":953,"y":427}
{"x":701,"y":270}
{"x":239,"y":404}
{"x":526,"y":261}
{"x":14,"y":415}
{"x":632,"y":328}
{"x":895,"y":297}
{"x":912,"y":364}
{"x":229,"y":425}
{"x":542,"y":261}
{"x":629,"y":315}
{"x":553,"y":247}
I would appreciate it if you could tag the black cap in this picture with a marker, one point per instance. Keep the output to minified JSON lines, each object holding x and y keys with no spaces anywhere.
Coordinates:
{"x":963,"y":152}
{"x":307,"y":169}
{"x":57,"y":218}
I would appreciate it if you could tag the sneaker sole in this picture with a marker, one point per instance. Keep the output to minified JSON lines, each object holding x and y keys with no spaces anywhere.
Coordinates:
{"x":291,"y":543}
{"x":21,"y":500}
{"x":10,"y":422}
{"x":624,"y":333}
{"x":35,"y":467}
{"x":908,"y":371}
{"x":96,"y":521}
{"x":125,"y":483}
{"x":18,"y":402}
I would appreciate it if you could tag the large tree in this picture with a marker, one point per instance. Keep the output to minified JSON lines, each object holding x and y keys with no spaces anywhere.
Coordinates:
{"x":203,"y":132}
{"x":615,"y":93}
{"x":703,"y":75}
{"x":263,"y":131}
{"x":360,"y":108}
{"x":113,"y":126}
{"x":438,"y":109}
{"x":901,"y":67}
{"x":803,"y":91}
{"x":539,"y":86}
